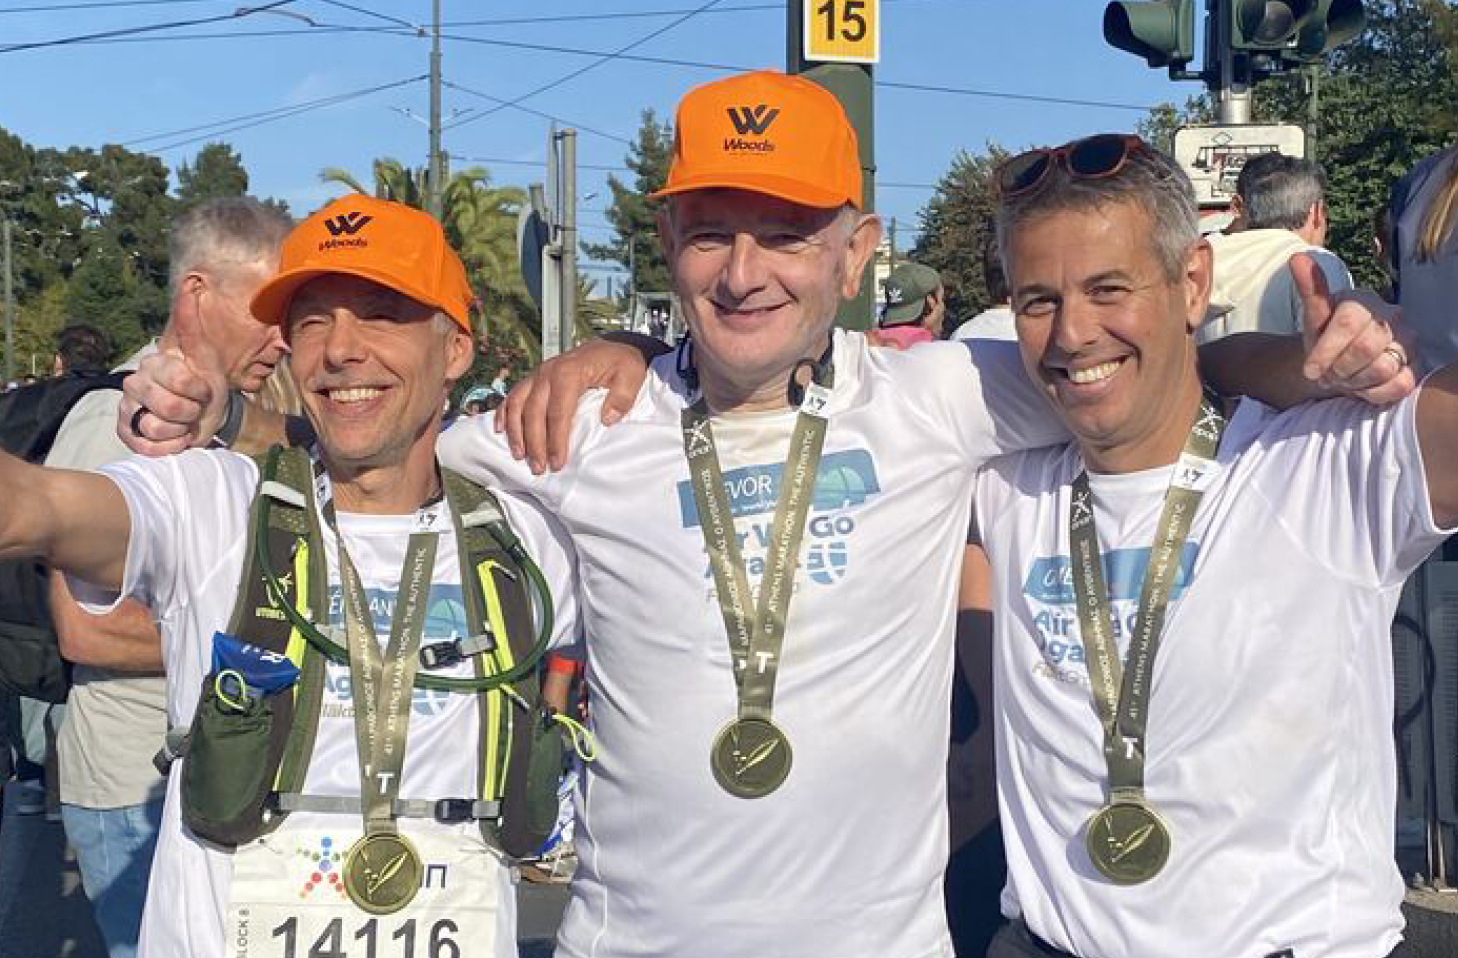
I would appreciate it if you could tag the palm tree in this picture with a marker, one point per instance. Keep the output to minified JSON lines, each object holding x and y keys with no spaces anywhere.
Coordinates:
{"x":480,"y":222}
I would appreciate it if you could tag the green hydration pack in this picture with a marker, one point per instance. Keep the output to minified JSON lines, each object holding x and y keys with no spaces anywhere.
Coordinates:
{"x":247,"y":755}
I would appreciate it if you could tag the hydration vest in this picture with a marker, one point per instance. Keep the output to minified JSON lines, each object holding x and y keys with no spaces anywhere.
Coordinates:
{"x":247,"y":760}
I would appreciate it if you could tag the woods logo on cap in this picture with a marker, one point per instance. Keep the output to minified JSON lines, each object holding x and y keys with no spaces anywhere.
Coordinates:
{"x":754,"y":121}
{"x":345,"y":225}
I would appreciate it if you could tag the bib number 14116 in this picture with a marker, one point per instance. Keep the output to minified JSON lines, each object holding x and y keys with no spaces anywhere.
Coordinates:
{"x":372,"y":938}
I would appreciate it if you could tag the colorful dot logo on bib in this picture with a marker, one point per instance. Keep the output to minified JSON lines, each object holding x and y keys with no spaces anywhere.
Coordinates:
{"x":323,"y":868}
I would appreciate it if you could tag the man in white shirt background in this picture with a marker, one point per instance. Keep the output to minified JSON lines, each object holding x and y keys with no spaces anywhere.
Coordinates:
{"x":1280,"y":208}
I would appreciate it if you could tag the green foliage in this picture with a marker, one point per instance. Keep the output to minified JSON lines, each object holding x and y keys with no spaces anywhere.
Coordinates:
{"x":217,"y":171}
{"x":957,"y":224}
{"x":632,"y":214}
{"x":480,"y":222}
{"x":1384,"y":102}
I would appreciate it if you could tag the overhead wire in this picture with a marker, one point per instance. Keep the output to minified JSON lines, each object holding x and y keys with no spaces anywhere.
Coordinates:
{"x":526,"y":109}
{"x":247,"y":121}
{"x":131,"y":31}
{"x":93,"y":4}
{"x":602,"y":58}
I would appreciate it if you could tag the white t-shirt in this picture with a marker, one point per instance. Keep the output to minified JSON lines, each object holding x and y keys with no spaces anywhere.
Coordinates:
{"x":1253,"y":289}
{"x":846,"y":857}
{"x":1270,"y":750}
{"x":189,"y":515}
{"x":995,"y":323}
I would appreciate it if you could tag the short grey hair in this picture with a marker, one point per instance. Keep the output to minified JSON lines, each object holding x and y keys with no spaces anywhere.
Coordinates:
{"x":230,"y":230}
{"x":1150,"y":180}
{"x":1279,"y":191}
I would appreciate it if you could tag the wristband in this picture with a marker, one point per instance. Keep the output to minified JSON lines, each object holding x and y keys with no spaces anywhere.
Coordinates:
{"x":227,"y":433}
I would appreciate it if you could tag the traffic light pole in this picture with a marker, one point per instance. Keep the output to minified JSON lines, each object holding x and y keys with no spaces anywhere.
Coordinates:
{"x":853,"y":84}
{"x":1230,"y":90}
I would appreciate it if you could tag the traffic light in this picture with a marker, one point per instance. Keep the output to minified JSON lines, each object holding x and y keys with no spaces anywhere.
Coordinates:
{"x":1331,"y":24}
{"x":1160,"y":31}
{"x":1299,"y":30}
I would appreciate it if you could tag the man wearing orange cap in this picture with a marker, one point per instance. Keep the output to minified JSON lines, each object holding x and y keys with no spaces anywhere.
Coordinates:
{"x":379,"y":836}
{"x":768,"y":550}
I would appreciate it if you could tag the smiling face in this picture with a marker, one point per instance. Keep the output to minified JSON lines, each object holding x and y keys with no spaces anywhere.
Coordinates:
{"x":760,"y":280}
{"x":1108,"y":332}
{"x":374,"y":368}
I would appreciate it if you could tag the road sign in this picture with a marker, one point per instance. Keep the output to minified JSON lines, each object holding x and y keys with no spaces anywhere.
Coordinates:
{"x":842,"y":31}
{"x":1213,"y":155}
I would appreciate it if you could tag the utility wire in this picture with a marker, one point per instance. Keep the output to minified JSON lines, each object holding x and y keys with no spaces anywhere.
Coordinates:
{"x":233,"y":124}
{"x":525,"y":109}
{"x":131,"y":31}
{"x":605,"y":58}
{"x":46,"y":8}
{"x":738,"y":68}
{"x":413,"y":27}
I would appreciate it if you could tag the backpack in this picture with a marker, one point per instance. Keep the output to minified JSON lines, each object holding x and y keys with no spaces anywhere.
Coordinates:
{"x":30,"y":657}
{"x":246,"y":762}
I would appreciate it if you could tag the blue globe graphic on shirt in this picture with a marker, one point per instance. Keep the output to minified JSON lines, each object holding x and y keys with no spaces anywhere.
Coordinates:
{"x":827,"y":561}
{"x":839,"y":486}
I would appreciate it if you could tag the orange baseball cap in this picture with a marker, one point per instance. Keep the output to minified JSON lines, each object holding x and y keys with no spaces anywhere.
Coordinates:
{"x":392,"y":244}
{"x":766,"y":132}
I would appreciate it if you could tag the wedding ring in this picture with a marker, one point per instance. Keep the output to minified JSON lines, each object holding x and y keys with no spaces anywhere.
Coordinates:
{"x":136,"y":423}
{"x":1396,"y":351}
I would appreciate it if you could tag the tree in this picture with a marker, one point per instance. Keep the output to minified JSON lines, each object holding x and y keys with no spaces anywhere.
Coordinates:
{"x":1385,"y":101}
{"x":957,"y":224}
{"x":635,"y":244}
{"x":480,"y":223}
{"x":217,"y":171}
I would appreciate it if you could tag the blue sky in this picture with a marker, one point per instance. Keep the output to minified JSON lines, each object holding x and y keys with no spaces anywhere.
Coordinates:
{"x":125,"y":92}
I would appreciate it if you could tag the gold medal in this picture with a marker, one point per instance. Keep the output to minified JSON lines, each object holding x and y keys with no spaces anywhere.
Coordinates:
{"x":382,"y":873}
{"x":1127,"y":842}
{"x":751,"y":757}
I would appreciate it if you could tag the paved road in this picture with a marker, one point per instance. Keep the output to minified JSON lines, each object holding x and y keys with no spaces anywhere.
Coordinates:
{"x":44,"y":913}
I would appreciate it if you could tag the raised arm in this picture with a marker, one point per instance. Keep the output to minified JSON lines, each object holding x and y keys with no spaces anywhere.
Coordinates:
{"x":179,"y":399}
{"x":1347,"y":348}
{"x":74,"y":521}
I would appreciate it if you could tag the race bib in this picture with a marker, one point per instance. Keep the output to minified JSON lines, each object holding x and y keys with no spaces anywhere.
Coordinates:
{"x":288,"y":900}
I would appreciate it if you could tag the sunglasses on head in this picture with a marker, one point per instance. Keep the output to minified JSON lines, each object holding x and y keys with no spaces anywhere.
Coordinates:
{"x":1090,"y":158}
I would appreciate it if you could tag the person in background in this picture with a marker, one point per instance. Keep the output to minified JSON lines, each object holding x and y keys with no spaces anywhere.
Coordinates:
{"x":1281,"y":202}
{"x":914,"y":305}
{"x":81,"y":349}
{"x":996,"y":321}
{"x":1425,"y":256}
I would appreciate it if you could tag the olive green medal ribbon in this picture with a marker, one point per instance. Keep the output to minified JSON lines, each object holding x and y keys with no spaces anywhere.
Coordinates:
{"x":751,"y":756}
{"x":382,"y":871}
{"x":1127,"y":840}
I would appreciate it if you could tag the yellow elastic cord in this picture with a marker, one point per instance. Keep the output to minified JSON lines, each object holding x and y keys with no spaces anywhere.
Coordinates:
{"x":584,"y":743}
{"x":238,"y":704}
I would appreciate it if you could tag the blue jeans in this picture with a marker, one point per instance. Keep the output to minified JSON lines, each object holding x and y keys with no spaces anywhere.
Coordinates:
{"x":114,"y":851}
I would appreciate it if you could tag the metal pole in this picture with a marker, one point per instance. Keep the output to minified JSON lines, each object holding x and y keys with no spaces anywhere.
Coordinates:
{"x":1231,"y":82}
{"x":9,"y":304}
{"x":1313,"y":110}
{"x":437,"y":164}
{"x":854,"y":86}
{"x":568,"y":260}
{"x":892,"y":264}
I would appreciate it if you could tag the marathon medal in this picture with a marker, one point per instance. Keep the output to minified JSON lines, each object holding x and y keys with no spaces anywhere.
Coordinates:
{"x":382,"y":873}
{"x":1126,"y":839}
{"x":751,"y":756}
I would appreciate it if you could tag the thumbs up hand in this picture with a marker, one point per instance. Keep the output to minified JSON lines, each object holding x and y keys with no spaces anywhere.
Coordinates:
{"x":1351,"y":347}
{"x":178,"y":396}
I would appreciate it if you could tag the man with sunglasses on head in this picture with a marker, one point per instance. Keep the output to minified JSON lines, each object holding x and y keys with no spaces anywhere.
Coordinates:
{"x":768,"y":548}
{"x":1192,"y":658}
